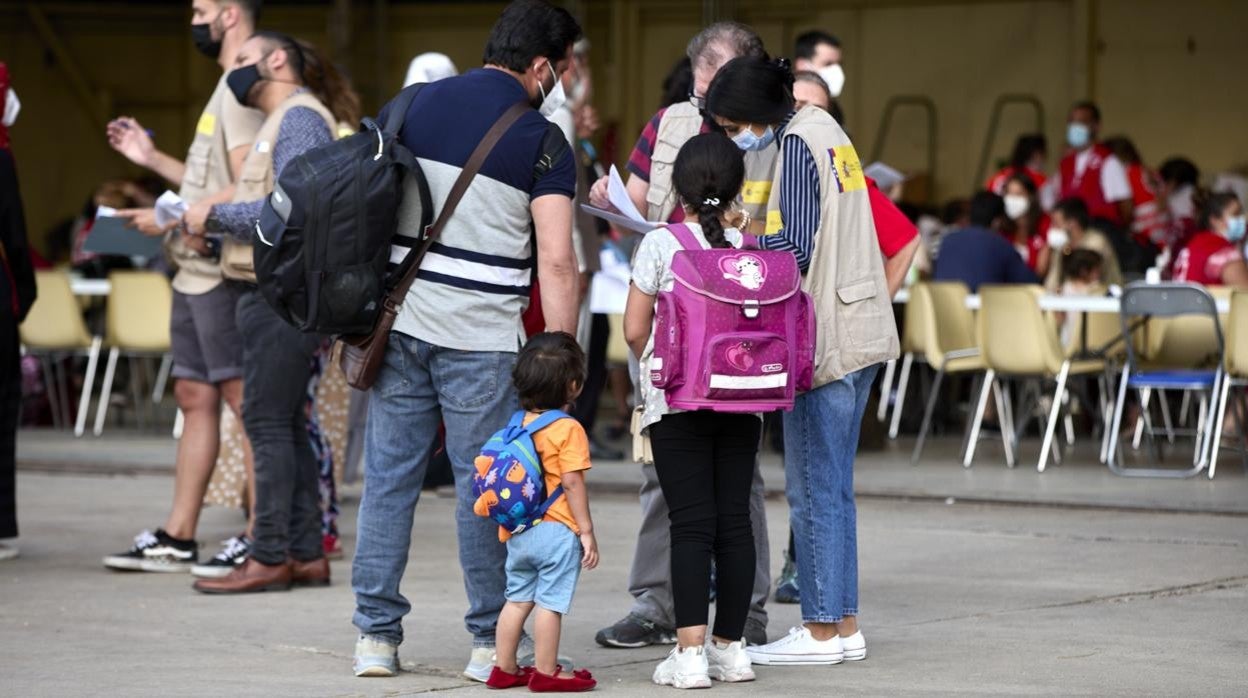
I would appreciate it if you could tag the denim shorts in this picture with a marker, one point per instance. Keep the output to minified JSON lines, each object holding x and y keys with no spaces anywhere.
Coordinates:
{"x":543,"y":564}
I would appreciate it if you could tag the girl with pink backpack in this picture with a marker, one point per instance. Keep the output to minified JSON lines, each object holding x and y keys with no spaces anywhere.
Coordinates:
{"x":704,"y":378}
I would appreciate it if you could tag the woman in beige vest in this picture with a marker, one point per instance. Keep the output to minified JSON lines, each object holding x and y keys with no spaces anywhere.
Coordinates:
{"x":820,"y":211}
{"x":277,"y":358}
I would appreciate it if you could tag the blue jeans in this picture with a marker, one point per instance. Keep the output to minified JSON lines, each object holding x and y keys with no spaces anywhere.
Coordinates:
{"x":820,"y":441}
{"x":419,"y":386}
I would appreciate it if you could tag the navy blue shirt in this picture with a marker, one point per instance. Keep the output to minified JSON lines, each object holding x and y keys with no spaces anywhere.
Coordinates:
{"x":977,"y":256}
{"x":450,"y":117}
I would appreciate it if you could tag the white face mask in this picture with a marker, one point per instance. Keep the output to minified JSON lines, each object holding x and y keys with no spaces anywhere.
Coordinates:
{"x":551,"y":102}
{"x":1058,"y":238}
{"x":834,"y":76}
{"x":12,"y":105}
{"x":1016,"y":206}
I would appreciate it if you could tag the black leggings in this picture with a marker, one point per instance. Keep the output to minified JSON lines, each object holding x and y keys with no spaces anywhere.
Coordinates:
{"x":705,"y":463}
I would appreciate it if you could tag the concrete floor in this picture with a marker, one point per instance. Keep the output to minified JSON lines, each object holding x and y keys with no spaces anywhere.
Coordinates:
{"x":961,"y":598}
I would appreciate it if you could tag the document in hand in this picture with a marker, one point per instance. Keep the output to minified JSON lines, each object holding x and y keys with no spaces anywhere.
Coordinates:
{"x":111,"y":235}
{"x":626,"y":214}
{"x":169,"y":209}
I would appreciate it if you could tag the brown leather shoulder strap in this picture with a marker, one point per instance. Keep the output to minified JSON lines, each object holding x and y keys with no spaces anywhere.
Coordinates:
{"x":466,"y":175}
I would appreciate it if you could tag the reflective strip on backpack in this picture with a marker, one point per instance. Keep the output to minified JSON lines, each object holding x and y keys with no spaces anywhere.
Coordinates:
{"x":723,"y":382}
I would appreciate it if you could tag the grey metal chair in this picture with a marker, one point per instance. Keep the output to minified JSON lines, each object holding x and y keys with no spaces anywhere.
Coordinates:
{"x":1158,"y":308}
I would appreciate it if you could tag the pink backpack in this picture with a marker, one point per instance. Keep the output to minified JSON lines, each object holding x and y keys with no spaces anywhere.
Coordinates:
{"x":736,"y":333}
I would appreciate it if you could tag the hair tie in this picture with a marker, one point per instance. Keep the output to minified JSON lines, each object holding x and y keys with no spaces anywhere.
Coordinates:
{"x":710,"y":201}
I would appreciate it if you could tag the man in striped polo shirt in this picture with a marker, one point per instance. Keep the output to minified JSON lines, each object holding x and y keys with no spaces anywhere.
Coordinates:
{"x":455,"y":341}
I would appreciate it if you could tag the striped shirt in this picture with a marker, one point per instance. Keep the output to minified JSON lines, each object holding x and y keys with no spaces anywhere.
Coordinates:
{"x":474,"y":284}
{"x":799,"y":201}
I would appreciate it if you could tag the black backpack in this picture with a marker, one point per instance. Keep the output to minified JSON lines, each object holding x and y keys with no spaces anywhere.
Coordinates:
{"x":323,"y":239}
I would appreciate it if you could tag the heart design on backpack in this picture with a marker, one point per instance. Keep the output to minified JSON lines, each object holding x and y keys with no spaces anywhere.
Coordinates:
{"x":739,"y":357}
{"x":746,"y":269}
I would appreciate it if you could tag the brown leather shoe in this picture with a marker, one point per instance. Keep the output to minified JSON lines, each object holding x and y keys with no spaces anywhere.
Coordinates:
{"x":251,"y":576}
{"x":313,"y":573}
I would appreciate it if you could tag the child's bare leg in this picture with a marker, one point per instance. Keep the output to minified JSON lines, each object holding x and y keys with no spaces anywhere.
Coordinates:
{"x":507,"y":634}
{"x":546,"y":628}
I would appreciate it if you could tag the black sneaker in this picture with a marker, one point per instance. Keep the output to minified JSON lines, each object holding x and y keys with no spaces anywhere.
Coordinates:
{"x":635,"y":631}
{"x":233,"y":554}
{"x":755,"y":632}
{"x":156,"y":552}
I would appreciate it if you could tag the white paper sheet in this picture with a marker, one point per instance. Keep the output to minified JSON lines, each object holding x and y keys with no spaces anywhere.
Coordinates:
{"x":617,"y":193}
{"x":169,"y":209}
{"x":640,"y":226}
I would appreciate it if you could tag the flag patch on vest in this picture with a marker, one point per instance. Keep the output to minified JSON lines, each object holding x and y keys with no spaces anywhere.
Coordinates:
{"x":847,"y":169}
{"x":207,"y":124}
{"x":756,"y":191}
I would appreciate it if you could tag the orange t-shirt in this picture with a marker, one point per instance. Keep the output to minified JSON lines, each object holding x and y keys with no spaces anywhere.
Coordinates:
{"x":563,"y":448}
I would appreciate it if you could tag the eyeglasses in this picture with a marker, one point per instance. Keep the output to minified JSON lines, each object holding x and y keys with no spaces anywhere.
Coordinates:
{"x":698,"y":103}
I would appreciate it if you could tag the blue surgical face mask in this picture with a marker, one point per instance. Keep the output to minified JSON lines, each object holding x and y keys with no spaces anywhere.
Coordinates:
{"x":747,"y":140}
{"x":1078,"y":135}
{"x":1235,"y":228}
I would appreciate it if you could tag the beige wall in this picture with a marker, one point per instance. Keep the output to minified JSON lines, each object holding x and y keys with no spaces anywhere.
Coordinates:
{"x":1172,"y":96}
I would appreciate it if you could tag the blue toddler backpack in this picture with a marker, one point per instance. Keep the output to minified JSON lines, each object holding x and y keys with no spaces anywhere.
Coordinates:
{"x":509,"y":486}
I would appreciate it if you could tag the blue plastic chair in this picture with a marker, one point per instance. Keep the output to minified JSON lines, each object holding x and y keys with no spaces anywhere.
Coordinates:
{"x":1141,"y":303}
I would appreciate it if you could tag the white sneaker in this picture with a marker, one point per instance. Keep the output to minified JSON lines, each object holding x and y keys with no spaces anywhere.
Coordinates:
{"x":729,"y":664}
{"x":480,"y":664}
{"x":375,"y":658}
{"x":683,"y":668}
{"x":8,"y":551}
{"x":799,"y":647}
{"x":855,"y":647}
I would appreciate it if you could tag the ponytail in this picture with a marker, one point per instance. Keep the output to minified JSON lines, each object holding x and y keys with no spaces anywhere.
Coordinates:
{"x":709,"y":212}
{"x":708,"y":175}
{"x":329,"y":85}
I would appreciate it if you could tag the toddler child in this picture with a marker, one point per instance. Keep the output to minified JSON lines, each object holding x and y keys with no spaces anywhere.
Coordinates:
{"x":544,"y":560}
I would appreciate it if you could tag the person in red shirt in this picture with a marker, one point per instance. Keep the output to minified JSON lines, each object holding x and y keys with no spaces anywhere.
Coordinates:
{"x":1090,"y":171}
{"x":17,"y":294}
{"x":1031,"y":150}
{"x":1213,"y":256}
{"x":1148,"y":223}
{"x":1027,"y":224}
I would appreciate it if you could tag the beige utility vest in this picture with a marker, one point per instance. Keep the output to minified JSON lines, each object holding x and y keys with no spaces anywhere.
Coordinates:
{"x":681,"y":122}
{"x":255,"y":181}
{"x":853,"y":312}
{"x":208,"y":172}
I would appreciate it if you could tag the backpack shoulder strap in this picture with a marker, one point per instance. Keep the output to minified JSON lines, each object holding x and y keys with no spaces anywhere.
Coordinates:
{"x":684,"y":236}
{"x":544,"y":420}
{"x":398,"y":108}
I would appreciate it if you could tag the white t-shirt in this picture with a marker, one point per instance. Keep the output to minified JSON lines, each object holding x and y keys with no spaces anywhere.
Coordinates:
{"x":652,"y":272}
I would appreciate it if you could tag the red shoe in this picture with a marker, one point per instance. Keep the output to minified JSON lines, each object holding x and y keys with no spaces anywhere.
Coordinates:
{"x":581,"y":680}
{"x":501,"y":679}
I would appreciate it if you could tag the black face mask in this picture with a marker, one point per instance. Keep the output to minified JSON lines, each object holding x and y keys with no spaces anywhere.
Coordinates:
{"x":201,"y":34}
{"x":241,"y":80}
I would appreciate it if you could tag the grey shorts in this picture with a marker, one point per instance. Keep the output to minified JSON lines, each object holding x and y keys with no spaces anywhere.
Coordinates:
{"x":206,"y":344}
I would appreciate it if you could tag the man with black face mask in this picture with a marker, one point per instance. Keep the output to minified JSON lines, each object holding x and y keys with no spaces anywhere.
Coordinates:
{"x":277,"y":358}
{"x":207,"y":349}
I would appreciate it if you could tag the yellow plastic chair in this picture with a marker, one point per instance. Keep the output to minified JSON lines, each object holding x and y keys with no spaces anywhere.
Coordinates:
{"x":1236,"y":325}
{"x":137,"y":322}
{"x":54,"y":328}
{"x":1018,"y":341}
{"x":913,"y":348}
{"x":950,"y":347}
